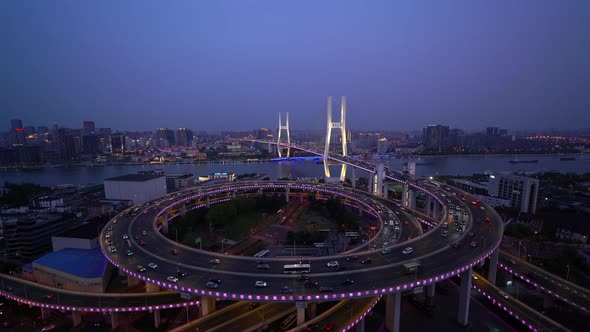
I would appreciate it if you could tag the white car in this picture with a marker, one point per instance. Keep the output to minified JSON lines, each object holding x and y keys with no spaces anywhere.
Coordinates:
{"x":332,"y":264}
{"x":260,"y":283}
{"x":407,"y":250}
{"x":172,"y":279}
{"x":504,"y":295}
{"x":152,"y":266}
{"x":125,"y":236}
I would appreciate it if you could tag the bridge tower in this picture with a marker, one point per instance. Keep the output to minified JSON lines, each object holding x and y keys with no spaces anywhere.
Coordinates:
{"x":336,"y":125}
{"x":281,"y":128}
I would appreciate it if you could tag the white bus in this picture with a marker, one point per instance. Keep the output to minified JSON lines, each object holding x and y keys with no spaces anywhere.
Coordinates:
{"x":296,"y":268}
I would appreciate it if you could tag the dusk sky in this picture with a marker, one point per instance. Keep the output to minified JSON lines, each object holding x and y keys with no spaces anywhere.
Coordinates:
{"x":139,"y":65}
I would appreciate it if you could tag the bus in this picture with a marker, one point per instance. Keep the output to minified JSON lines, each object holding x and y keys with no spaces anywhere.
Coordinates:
{"x":412,"y":267}
{"x":296,"y":268}
{"x":262,"y":253}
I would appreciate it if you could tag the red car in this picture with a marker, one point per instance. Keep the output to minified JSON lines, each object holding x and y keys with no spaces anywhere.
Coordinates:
{"x":473,"y":244}
{"x":455,"y":245}
{"x":471,"y":234}
{"x":329,"y":326}
{"x":487,"y":219}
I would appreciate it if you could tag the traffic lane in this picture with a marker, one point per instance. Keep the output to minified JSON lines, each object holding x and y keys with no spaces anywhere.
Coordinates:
{"x":552,"y":284}
{"x":254,"y":317}
{"x":517,"y":308}
{"x":218,"y":317}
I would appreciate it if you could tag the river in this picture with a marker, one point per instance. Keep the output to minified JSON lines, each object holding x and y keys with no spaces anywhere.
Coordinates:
{"x":425,"y":166}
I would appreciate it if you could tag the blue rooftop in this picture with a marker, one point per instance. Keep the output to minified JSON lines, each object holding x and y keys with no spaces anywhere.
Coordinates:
{"x":82,"y":263}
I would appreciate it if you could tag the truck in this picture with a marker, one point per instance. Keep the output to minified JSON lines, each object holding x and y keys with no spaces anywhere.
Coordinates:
{"x":412,"y":267}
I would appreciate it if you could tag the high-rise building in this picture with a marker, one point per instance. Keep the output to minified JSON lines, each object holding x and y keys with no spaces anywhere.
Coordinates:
{"x":89,"y":127}
{"x":492,"y":131}
{"x":90,"y":144}
{"x":67,"y":145}
{"x":16,"y":123}
{"x":181,"y":137}
{"x":435,"y":136}
{"x":522,"y":191}
{"x":117,"y":144}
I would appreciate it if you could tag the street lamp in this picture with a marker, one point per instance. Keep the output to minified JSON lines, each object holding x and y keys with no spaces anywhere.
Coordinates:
{"x":567,"y":276}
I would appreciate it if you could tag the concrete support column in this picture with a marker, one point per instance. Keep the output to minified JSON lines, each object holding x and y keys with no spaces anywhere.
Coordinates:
{"x":183,"y":209}
{"x":208,"y":201}
{"x":412,"y":199}
{"x":392,"y":311}
{"x":259,"y":192}
{"x":132,"y":281}
{"x":360,"y":326}
{"x":311,"y":310}
{"x":207,"y":305}
{"x":234,"y":194}
{"x":360,"y":211}
{"x":151,"y":288}
{"x":435,"y":210}
{"x":405,"y":189}
{"x":464,"y":297}
{"x":430,"y":291}
{"x":427,"y":206}
{"x":157,"y":318}
{"x":287,"y":195}
{"x":493,"y":266}
{"x":114,"y":320}
{"x":300,"y":312}
{"x":76,"y":318}
{"x":164,"y":221}
{"x":353,"y":180}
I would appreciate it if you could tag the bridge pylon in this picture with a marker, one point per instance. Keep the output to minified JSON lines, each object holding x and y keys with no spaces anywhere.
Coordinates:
{"x":336,"y":125}
{"x":281,"y":128}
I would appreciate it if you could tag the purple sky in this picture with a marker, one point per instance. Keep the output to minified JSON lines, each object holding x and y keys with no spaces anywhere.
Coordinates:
{"x":236,"y":64}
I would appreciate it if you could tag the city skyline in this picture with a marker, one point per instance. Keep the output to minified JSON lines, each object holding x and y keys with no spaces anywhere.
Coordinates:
{"x":401,"y":66}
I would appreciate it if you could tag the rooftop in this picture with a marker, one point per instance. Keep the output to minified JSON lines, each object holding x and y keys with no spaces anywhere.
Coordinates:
{"x":78,"y":262}
{"x":135,"y":177}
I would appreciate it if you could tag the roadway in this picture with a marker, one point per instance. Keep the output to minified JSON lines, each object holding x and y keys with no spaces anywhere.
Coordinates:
{"x":438,"y":259}
{"x":546,"y":282}
{"x":521,"y":312}
{"x":35,"y":294}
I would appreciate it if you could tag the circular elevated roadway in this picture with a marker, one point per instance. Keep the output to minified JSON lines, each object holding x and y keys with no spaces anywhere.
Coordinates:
{"x":239,"y":274}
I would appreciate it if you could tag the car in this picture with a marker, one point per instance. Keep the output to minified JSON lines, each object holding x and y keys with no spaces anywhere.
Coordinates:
{"x":140,"y":268}
{"x":110,"y":228}
{"x":152,"y":266}
{"x":473,"y":244}
{"x":48,"y":296}
{"x":445,"y":225}
{"x":125,"y":237}
{"x":174,"y":251}
{"x":9,"y":288}
{"x":348,"y":282}
{"x":487,"y":219}
{"x":215,"y":280}
{"x":386,"y":251}
{"x":286,"y":290}
{"x":8,"y":323}
{"x":49,"y":327}
{"x":482,"y":208}
{"x":261,"y":261}
{"x":172,"y":279}
{"x":325,"y":289}
{"x":212,"y":285}
{"x":504,"y":295}
{"x":474,"y":276}
{"x":385,"y":244}
{"x":129,"y":252}
{"x":332,"y":264}
{"x":260,"y":284}
{"x":263,"y":266}
{"x":215,"y":261}
{"x":144,"y":232}
{"x":330,"y":326}
{"x":472,"y":234}
{"x":136,"y":237}
{"x":115,"y":221}
{"x":110,"y":242}
{"x":180,"y":274}
{"x":142,"y":243}
{"x":459,"y":229}
{"x":107,"y":236}
{"x":407,"y":250}
{"x":455,"y":245}
{"x":444,"y":233}
{"x":366,"y":260}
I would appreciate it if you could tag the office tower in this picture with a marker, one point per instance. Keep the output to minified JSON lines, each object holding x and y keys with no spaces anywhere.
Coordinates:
{"x":88,"y":127}
{"x":16,"y":123}
{"x":435,"y":136}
